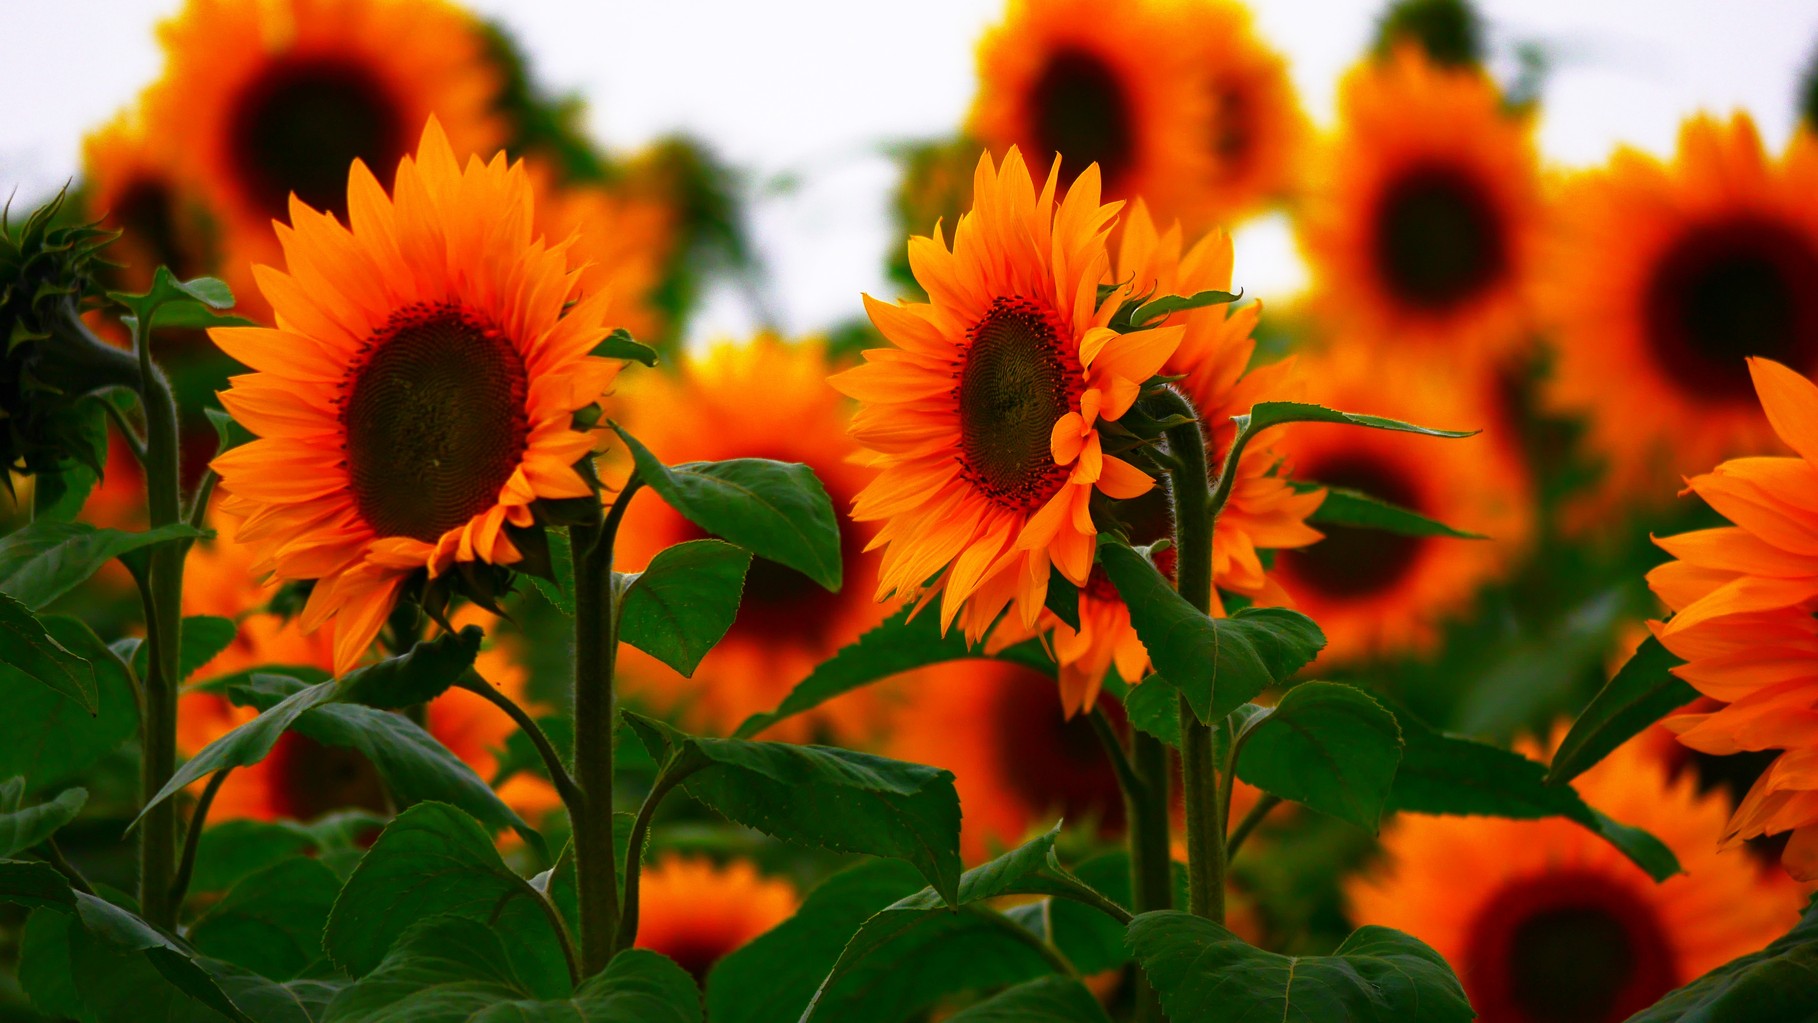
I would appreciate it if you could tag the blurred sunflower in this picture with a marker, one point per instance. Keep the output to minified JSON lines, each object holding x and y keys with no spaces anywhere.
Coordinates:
{"x":1546,"y":922}
{"x":1258,"y":131}
{"x":983,"y":419}
{"x":1422,"y":215}
{"x":1698,"y":263}
{"x":786,"y":623}
{"x":417,"y":394}
{"x":263,"y":100}
{"x":130,"y":187}
{"x":1376,"y":593}
{"x":622,"y":242}
{"x":1264,"y":512}
{"x":1059,"y":78}
{"x":1744,"y":598}
{"x":696,"y":912}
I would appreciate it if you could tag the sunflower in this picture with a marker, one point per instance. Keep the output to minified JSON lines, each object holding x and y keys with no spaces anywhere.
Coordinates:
{"x":1376,"y":593}
{"x":786,"y":623}
{"x":1257,"y":129}
{"x":623,"y":241}
{"x":983,"y":420}
{"x":1061,"y":78}
{"x":1697,"y":265}
{"x":1264,"y":512}
{"x":130,"y":187}
{"x":1744,"y":598}
{"x":1421,"y":214}
{"x":696,"y":911}
{"x":263,"y":100}
{"x":418,"y":392}
{"x":1544,"y":921}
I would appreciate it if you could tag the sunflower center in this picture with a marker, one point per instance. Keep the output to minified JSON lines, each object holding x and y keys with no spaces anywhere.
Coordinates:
{"x":1079,"y":110}
{"x":310,"y":779}
{"x":695,"y":951}
{"x":146,"y":212}
{"x":1439,"y":240}
{"x":1050,"y":762}
{"x":300,"y":125}
{"x":434,"y":421}
{"x":1730,"y":290}
{"x":1015,"y":382}
{"x":1567,"y":948}
{"x":1233,"y":128}
{"x":1352,"y":562}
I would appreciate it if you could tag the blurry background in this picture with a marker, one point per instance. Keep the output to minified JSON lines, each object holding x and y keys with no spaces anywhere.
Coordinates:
{"x":805,"y":96}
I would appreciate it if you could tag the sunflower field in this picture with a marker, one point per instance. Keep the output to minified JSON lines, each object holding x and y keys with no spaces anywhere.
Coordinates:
{"x":416,"y":608}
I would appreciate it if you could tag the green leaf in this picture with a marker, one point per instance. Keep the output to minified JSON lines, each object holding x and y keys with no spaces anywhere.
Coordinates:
{"x":560,"y":590}
{"x":1449,"y":774}
{"x":418,"y":675}
{"x":48,"y":737}
{"x":1325,"y":745}
{"x":818,"y":795}
{"x":271,"y":922}
{"x":1154,"y":707}
{"x":232,"y":850}
{"x":621,"y":345}
{"x":772,"y":977}
{"x":1167,"y":305}
{"x":1205,"y":973}
{"x":1277,"y":413}
{"x":209,"y":292}
{"x":1347,"y":507}
{"x":1643,"y":691}
{"x":435,"y":860}
{"x":775,"y":510}
{"x":1062,"y":598}
{"x":1043,"y":1000}
{"x":448,"y":969}
{"x":32,"y":651}
{"x":22,"y":827}
{"x":60,"y":494}
{"x":203,"y":637}
{"x":229,"y":434}
{"x":679,"y":607}
{"x":47,"y":558}
{"x":1219,"y":663}
{"x":1773,"y":985}
{"x":185,"y":314}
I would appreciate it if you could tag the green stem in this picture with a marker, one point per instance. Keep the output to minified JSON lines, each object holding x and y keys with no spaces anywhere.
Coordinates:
{"x":192,"y":836}
{"x":1151,"y":853}
{"x":1249,"y":824}
{"x":673,"y":774}
{"x":164,"y":638}
{"x":552,"y":761}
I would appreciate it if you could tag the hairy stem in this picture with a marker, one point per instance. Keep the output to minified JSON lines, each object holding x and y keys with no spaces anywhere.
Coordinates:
{"x":552,"y":761}
{"x":1243,"y":828}
{"x":672,"y":775}
{"x":1151,"y":855}
{"x":192,"y":836}
{"x":163,"y":596}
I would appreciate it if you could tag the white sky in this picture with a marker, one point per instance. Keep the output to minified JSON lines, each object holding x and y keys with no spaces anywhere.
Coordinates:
{"x":812,"y":89}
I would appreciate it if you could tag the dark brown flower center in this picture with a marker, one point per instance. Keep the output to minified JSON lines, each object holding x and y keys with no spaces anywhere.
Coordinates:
{"x":1016,"y":379}
{"x":434,"y":421}
{"x":1079,"y":109}
{"x":1439,"y":238}
{"x":309,"y":779}
{"x":1567,"y":947}
{"x":146,"y":212}
{"x":1352,"y":562}
{"x":1729,"y":290}
{"x":299,"y":125}
{"x":1233,"y":129}
{"x":1049,"y":762}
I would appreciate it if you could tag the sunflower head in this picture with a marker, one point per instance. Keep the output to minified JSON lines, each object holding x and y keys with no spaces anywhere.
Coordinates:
{"x":416,"y":400}
{"x":985,"y":418}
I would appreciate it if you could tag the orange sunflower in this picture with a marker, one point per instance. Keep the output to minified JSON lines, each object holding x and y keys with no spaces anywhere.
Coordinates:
{"x":1544,"y":921}
{"x":130,"y":187}
{"x":1058,"y":78}
{"x":983,"y":420}
{"x":418,"y":391}
{"x":1376,"y":593}
{"x":1422,"y":213}
{"x":1257,"y":130}
{"x":1698,"y":264}
{"x":786,"y":623}
{"x":1745,"y":597}
{"x":623,"y":241}
{"x":1263,"y":513}
{"x":697,"y":912}
{"x":263,"y":100}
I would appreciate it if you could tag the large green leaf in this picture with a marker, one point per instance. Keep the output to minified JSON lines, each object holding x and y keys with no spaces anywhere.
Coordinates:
{"x":435,"y":860}
{"x":1207,"y":974}
{"x":49,"y":738}
{"x":1325,"y":745}
{"x":1042,"y":1000}
{"x":418,"y":675}
{"x":820,"y":795}
{"x":29,"y":649}
{"x":271,"y":922}
{"x":22,"y":827}
{"x":47,"y":558}
{"x":679,"y":607}
{"x":1279,"y":413}
{"x":1774,"y":985}
{"x":1643,"y":691}
{"x":232,"y":850}
{"x":447,"y":969}
{"x":204,"y":636}
{"x":1218,"y":663}
{"x":775,"y":510}
{"x":1346,"y":507}
{"x":1449,"y":774}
